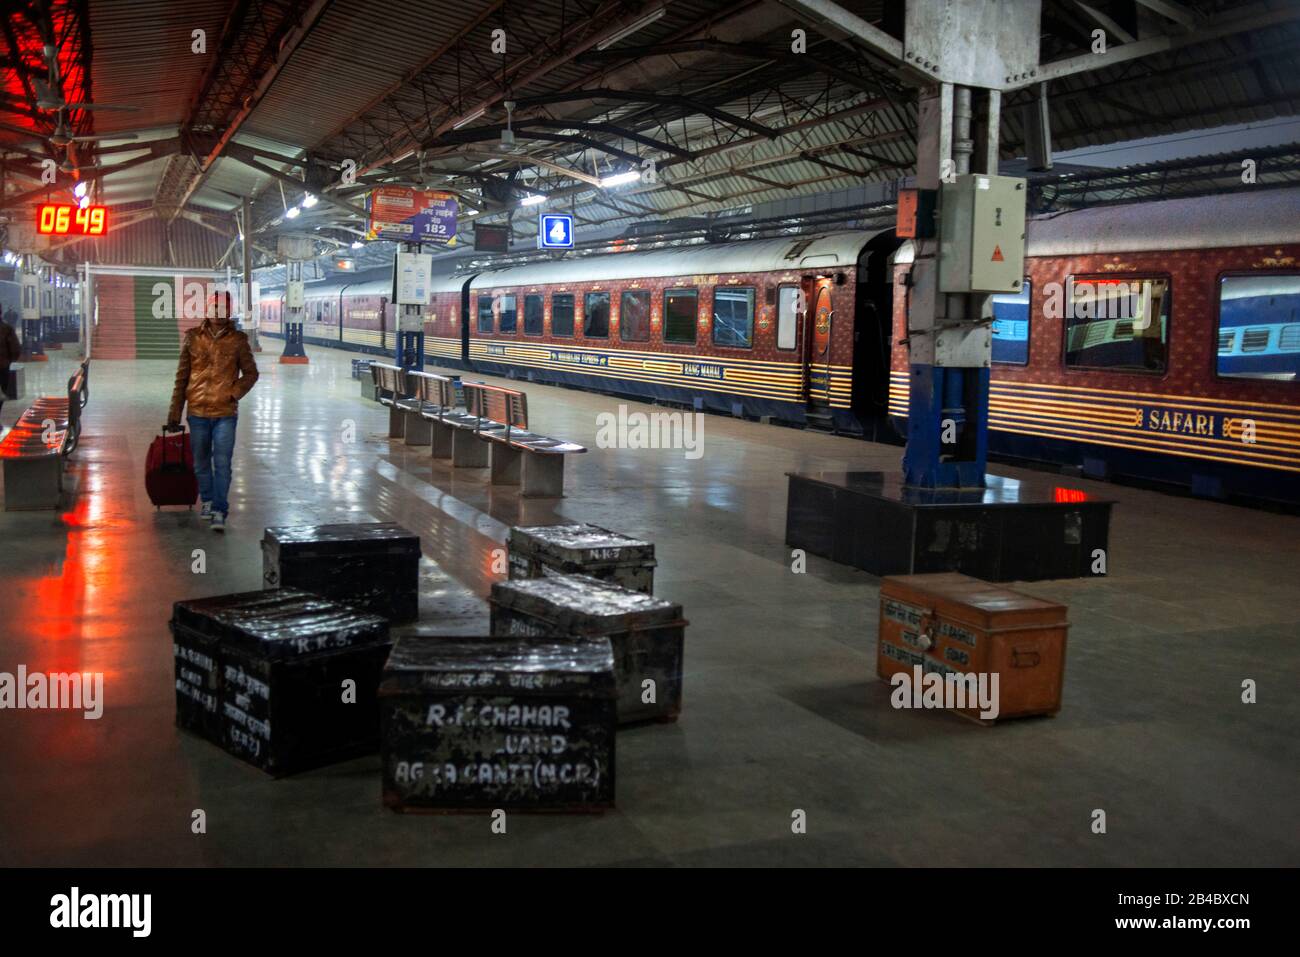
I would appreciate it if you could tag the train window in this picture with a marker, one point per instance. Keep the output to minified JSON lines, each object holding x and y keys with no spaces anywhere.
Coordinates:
{"x":634,"y":316}
{"x":787,"y":317}
{"x":595,"y":315}
{"x":733,"y":316}
{"x":562,"y":314}
{"x":1121,"y":325}
{"x":532,"y":315}
{"x":484,"y":313}
{"x":1011,"y":327}
{"x":1259,"y":327}
{"x":679,"y":315}
{"x":508,"y":320}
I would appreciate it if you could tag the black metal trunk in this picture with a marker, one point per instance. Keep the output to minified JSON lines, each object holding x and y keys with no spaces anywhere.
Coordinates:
{"x":372,"y":566}
{"x":648,"y":634}
{"x":540,"y":550}
{"x":486,"y":723}
{"x":262,"y":674}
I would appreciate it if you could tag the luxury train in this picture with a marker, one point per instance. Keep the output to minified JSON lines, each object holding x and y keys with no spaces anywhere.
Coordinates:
{"x":1189,"y":377}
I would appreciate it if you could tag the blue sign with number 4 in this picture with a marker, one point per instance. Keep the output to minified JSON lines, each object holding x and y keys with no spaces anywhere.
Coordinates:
{"x":555,"y":231}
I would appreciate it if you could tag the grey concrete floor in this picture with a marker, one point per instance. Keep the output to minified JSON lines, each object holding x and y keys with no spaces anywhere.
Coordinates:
{"x":782,"y":707}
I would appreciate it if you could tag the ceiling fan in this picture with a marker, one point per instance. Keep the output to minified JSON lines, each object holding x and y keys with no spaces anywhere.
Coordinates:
{"x":49,"y":95}
{"x":60,"y":136}
{"x":49,"y":99}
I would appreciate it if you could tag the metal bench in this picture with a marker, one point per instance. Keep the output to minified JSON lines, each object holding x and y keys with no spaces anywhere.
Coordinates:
{"x":452,"y":433}
{"x":392,"y":390}
{"x":34,"y":450}
{"x":519,"y":457}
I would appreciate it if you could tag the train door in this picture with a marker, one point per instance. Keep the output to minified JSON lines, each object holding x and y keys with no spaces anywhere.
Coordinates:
{"x":340,"y":337}
{"x":383,"y":323}
{"x":817,"y":345}
{"x":873,"y":336}
{"x":465,"y":321}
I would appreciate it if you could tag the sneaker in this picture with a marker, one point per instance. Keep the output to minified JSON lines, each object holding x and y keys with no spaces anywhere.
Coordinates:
{"x":206,"y":511}
{"x":218,"y":521}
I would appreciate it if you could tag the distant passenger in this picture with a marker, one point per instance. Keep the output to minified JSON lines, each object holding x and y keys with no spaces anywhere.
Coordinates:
{"x":216,"y":370}
{"x":10,"y":350}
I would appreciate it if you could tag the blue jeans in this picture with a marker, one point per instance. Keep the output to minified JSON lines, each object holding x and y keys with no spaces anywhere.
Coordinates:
{"x":213,"y":443}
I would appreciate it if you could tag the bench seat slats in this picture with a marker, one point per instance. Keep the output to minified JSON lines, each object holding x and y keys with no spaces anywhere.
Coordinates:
{"x":547,"y":446}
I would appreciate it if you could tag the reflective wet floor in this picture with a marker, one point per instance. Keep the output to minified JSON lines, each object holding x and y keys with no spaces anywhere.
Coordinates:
{"x":782,"y":709}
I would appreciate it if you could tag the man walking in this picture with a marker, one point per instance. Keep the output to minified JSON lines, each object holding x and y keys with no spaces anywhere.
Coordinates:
{"x":216,"y":370}
{"x":10,"y":350}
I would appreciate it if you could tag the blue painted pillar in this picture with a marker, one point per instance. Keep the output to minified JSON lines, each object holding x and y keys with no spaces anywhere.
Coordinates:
{"x":947,"y":427}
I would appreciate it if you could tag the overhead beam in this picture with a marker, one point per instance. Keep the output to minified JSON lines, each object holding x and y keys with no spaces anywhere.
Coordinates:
{"x":812,"y":158}
{"x":1212,"y":28}
{"x":1171,"y":10}
{"x":479,"y":134}
{"x":611,"y":128}
{"x":91,"y":176}
{"x":1106,"y":22}
{"x":246,"y":156}
{"x":837,"y":21}
{"x":629,"y":96}
{"x":523,"y":159}
{"x":875,"y":158}
{"x":749,"y":51}
{"x":569,"y":38}
{"x":182,"y":183}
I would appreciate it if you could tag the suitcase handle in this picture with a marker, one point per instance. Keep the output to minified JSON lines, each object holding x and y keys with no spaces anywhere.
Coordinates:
{"x":167,"y":429}
{"x":1024,"y":657}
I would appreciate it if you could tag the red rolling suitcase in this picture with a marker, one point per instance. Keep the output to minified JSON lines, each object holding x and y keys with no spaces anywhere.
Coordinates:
{"x":169,"y":470}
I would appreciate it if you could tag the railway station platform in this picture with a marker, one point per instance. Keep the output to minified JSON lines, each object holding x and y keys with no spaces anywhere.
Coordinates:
{"x":782,"y":709}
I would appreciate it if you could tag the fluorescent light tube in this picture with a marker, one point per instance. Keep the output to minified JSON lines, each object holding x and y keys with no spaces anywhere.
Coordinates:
{"x":640,"y":23}
{"x":470,"y":119}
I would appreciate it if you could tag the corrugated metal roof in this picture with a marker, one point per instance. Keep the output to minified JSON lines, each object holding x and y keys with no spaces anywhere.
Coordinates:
{"x":143,"y":58}
{"x":358,"y":50}
{"x":369,"y":68}
{"x":181,"y":243}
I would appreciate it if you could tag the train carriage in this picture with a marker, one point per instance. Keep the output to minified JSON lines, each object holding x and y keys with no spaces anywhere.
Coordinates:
{"x":351,"y":314}
{"x":1156,"y":341}
{"x":767,"y":328}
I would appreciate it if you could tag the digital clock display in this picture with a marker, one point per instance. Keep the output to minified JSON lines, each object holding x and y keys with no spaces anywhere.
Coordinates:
{"x":61,"y":219}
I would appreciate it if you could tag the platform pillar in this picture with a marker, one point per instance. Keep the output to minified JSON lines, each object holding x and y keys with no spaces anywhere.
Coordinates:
{"x":412,"y":271}
{"x":409,"y":351}
{"x":949,"y":318}
{"x":294,"y":312}
{"x":30,"y":283}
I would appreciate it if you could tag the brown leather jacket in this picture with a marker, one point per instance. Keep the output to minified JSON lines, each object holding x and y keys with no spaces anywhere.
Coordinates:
{"x":216,"y":371}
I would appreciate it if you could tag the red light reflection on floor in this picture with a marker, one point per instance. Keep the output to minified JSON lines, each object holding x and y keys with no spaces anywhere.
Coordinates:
{"x":1069,"y":495}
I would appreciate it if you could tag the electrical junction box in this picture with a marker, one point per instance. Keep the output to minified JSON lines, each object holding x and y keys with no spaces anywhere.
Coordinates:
{"x":982,"y":234}
{"x":294,"y":297}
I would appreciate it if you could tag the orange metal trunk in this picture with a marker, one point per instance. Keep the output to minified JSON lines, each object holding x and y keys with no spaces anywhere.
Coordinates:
{"x":952,"y":623}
